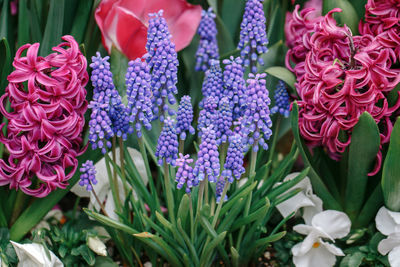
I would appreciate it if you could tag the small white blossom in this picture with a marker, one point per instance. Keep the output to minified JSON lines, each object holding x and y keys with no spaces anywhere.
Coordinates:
{"x":98,"y":247}
{"x":314,"y":251}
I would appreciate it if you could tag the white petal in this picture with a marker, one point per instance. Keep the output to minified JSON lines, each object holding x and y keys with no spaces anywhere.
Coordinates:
{"x":316,"y":257}
{"x":385,"y":222}
{"x":335,"y":223}
{"x":389,"y":243}
{"x":80,"y":191}
{"x":303,"y":229}
{"x":293,"y":204}
{"x":332,"y":248}
{"x":34,"y":255}
{"x":95,"y":244}
{"x":302,"y":248}
{"x":394,"y":257}
{"x":310,"y":211}
{"x":395,"y":216}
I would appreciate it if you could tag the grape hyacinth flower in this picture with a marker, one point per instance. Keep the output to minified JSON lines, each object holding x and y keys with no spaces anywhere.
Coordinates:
{"x":100,"y":130}
{"x":101,"y":76}
{"x":139,"y":95}
{"x":208,"y":45}
{"x":44,"y":131}
{"x":282,"y":100}
{"x":208,"y":156}
{"x":184,"y":118}
{"x":119,"y":115}
{"x":163,"y":62}
{"x":253,"y":36}
{"x":233,"y":167}
{"x":224,"y":120}
{"x":219,"y":189}
{"x":235,"y":85}
{"x":209,"y":115}
{"x":167,"y":145}
{"x":88,"y":175}
{"x":185,"y":175}
{"x":256,"y":122}
{"x":213,"y":84}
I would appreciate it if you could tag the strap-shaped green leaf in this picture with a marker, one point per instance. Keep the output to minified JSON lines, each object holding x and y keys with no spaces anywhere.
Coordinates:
{"x":363,"y":148}
{"x":54,"y":26}
{"x":391,"y":171}
{"x":282,"y":74}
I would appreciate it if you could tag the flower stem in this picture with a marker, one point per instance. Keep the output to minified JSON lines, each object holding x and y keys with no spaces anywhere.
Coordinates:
{"x":181,"y":145}
{"x":273,"y":143}
{"x":121,"y":158}
{"x":168,"y":191}
{"x":98,"y":200}
{"x":115,"y":177}
{"x":206,"y":190}
{"x":114,"y":191}
{"x":18,"y":207}
{"x":221,"y":201}
{"x":191,"y":218}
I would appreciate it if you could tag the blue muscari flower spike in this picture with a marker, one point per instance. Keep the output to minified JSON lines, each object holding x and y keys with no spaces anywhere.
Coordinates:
{"x":119,"y":115}
{"x":233,"y":167}
{"x":163,"y":62}
{"x":208,"y":156}
{"x":101,"y":76}
{"x":256,"y":122}
{"x":100,"y":130}
{"x":208,"y":45}
{"x":185,"y":175}
{"x":88,"y":175}
{"x":213,"y":84}
{"x":224,"y":120}
{"x":139,"y":95}
{"x":167,"y":145}
{"x":209,"y":115}
{"x":235,"y":85}
{"x":253,"y":37}
{"x":219,"y":188}
{"x":282,"y":100}
{"x":184,"y":117}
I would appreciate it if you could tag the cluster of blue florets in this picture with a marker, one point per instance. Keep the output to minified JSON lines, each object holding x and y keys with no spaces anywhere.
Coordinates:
{"x":233,"y":167}
{"x":282,"y":100}
{"x":167,"y":145}
{"x":185,"y":175}
{"x":253,"y":37}
{"x":184,"y":117}
{"x":224,"y":120}
{"x":208,"y":45}
{"x":208,"y":115}
{"x":88,"y":175}
{"x":213,"y":84}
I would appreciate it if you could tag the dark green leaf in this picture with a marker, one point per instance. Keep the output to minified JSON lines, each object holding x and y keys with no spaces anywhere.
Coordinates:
{"x":87,"y":254}
{"x":81,"y":20}
{"x":23,"y":27}
{"x":364,"y":146}
{"x":352,"y":260}
{"x":105,"y":262}
{"x":119,"y":65}
{"x":282,"y":74}
{"x":54,"y":26}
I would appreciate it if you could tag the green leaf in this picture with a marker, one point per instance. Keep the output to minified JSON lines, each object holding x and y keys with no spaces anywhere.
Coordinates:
{"x":62,"y":251}
{"x":105,"y":262}
{"x":348,"y":15}
{"x":280,"y":189}
{"x":319,"y":187}
{"x":352,"y":260}
{"x":87,"y":254}
{"x":188,"y":242}
{"x":371,"y":207}
{"x":183,"y":209}
{"x":233,"y":16}
{"x":364,"y":146}
{"x":110,"y":222}
{"x":232,"y":201}
{"x":260,"y":213}
{"x":391,"y":171}
{"x":225,"y":42}
{"x":283,"y":74}
{"x":81,"y":20}
{"x":23,"y":27}
{"x":210,"y":248}
{"x":4,"y":19}
{"x":54,"y":26}
{"x":118,"y":66}
{"x":5,"y":64}
{"x":235,"y":257}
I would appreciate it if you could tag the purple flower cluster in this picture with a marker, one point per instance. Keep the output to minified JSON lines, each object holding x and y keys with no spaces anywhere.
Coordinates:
{"x":88,"y":175}
{"x":256,"y":122}
{"x":184,"y":117}
{"x":167,"y":145}
{"x":219,"y":188}
{"x":224,"y":120}
{"x":208,"y":45}
{"x":139,"y":95}
{"x":233,"y":167}
{"x":119,"y":115}
{"x":184,"y":175}
{"x":101,"y":77}
{"x":235,"y":85}
{"x":163,"y":62}
{"x":209,"y":115}
{"x":253,"y":37}
{"x":208,"y":157}
{"x":282,"y":100}
{"x":213,"y":84}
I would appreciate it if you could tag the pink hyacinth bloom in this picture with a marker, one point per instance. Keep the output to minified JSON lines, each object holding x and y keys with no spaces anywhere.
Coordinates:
{"x":44,"y":131}
{"x":340,"y":77}
{"x":382,"y":19}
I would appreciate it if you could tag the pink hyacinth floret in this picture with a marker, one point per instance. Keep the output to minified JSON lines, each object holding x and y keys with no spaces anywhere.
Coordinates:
{"x":341,"y":77}
{"x":44,"y":131}
{"x":382,"y":19}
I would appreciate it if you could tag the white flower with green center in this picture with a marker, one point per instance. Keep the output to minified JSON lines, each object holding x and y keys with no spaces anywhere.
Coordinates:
{"x":315,"y":250}
{"x":388,"y":223}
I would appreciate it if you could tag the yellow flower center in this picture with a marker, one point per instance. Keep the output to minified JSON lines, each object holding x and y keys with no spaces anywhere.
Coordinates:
{"x":315,"y":245}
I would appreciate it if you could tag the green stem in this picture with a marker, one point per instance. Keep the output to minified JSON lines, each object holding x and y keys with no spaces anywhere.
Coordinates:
{"x":206,"y":189}
{"x":221,"y":201}
{"x":168,"y":191}
{"x":273,"y":144}
{"x":76,"y":207}
{"x":114,"y":191}
{"x":253,"y":160}
{"x":181,"y":145}
{"x":191,"y":218}
{"x":98,"y":200}
{"x":18,"y":206}
{"x":121,"y":158}
{"x":115,"y":177}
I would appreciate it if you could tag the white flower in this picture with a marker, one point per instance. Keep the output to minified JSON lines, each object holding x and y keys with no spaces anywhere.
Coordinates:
{"x":103,"y":188}
{"x":313,"y":251}
{"x":388,"y":223}
{"x":34,"y":255}
{"x":305,"y":199}
{"x":95,"y":244}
